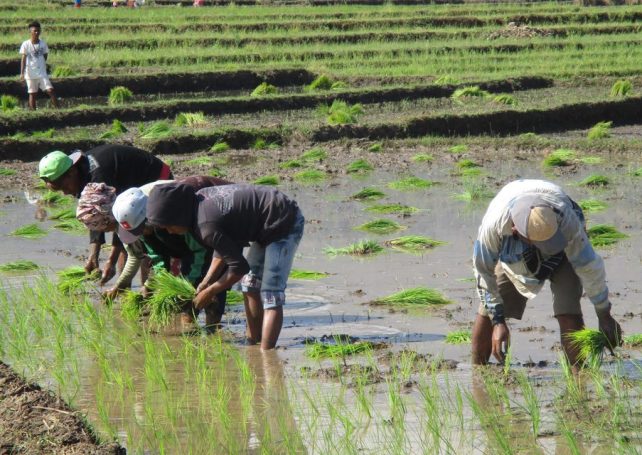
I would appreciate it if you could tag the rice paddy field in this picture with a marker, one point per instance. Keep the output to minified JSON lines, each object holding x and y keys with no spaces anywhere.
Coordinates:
{"x":392,"y":125}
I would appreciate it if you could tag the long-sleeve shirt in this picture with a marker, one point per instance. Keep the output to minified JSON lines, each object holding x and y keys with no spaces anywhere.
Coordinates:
{"x":495,"y":242}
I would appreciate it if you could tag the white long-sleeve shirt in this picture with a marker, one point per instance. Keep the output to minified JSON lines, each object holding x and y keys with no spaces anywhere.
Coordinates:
{"x":495,"y":242}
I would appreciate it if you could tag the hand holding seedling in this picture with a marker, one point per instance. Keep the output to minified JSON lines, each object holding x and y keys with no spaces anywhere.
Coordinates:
{"x":204,"y":298}
{"x":500,"y":341}
{"x":612,"y":330}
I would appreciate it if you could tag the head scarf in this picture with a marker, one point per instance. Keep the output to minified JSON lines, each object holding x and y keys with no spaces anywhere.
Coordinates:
{"x":94,"y":206}
{"x":172,"y":204}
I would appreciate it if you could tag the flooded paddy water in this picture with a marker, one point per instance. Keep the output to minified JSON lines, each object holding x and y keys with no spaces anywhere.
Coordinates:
{"x":159,"y":392}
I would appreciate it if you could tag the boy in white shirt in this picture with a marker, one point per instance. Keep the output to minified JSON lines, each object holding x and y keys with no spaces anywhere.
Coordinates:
{"x":33,"y":67}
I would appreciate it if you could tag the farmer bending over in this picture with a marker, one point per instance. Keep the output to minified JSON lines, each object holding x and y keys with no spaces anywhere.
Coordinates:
{"x":33,"y":66}
{"x":531,"y":232}
{"x":227,"y":218}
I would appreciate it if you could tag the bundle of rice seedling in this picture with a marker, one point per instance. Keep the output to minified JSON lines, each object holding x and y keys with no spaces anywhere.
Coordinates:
{"x":361,"y":248}
{"x":506,"y":99}
{"x":29,"y":231}
{"x":117,"y":128}
{"x":342,"y":113}
{"x":459,"y":148}
{"x":413,"y":243}
{"x":314,"y":155}
{"x":53,"y":198}
{"x":259,"y":144}
{"x":589,"y":343}
{"x":399,"y":209}
{"x":633,"y":340}
{"x":591,"y":160}
{"x":459,"y":337}
{"x":637,"y":172}
{"x":264,"y":89}
{"x":7,"y":172}
{"x":310,"y":176}
{"x":71,"y":225}
{"x":200,"y":161}
{"x":419,"y":296}
{"x":46,"y":134}
{"x":299,"y":274}
{"x":604,"y":235}
{"x":318,"y":350}
{"x":8,"y":103}
{"x":156,"y":130}
{"x":560,"y":157}
{"x":592,"y":205}
{"x":270,"y":180}
{"x":376,"y":147}
{"x":62,"y":71}
{"x":63,"y":214}
{"x":169,"y":293}
{"x":595,"y":180}
{"x":468,"y":92}
{"x":368,"y":194}
{"x":381,"y":226}
{"x":291,"y":164}
{"x":120,"y":95}
{"x":621,"y":88}
{"x":74,"y":278}
{"x":322,"y":82}
{"x":601,"y":130}
{"x":132,"y":306}
{"x":359,"y":166}
{"x":410,"y":184}
{"x":191,"y":119}
{"x":467,"y":164}
{"x":422,"y":158}
{"x":19,"y":266}
{"x":446,"y":79}
{"x":220,"y":147}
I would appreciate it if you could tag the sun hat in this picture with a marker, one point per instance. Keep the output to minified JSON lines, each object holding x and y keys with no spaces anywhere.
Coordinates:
{"x":129,"y":211}
{"x":94,"y":206}
{"x":538,"y":222}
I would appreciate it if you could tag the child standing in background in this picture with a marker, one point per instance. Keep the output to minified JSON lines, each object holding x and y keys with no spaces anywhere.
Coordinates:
{"x":33,"y":66}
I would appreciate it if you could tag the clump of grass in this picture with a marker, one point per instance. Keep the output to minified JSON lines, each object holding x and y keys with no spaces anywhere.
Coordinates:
{"x":422,"y":158}
{"x":368,"y":194}
{"x":506,"y":99}
{"x":309,"y":176}
{"x":459,"y":148}
{"x":132,"y":306}
{"x":299,"y":274}
{"x":419,"y":296}
{"x":19,"y":266}
{"x":117,"y":128}
{"x":342,"y":113}
{"x":399,"y":209}
{"x":376,"y":147}
{"x":259,"y":144}
{"x":413,"y":243}
{"x":592,"y":205}
{"x":234,"y":297}
{"x":220,"y":147}
{"x":29,"y":231}
{"x":190,"y":119}
{"x":467,"y":164}
{"x":271,"y":180}
{"x":120,"y":95}
{"x":200,"y":161}
{"x":459,"y":337}
{"x":359,"y":166}
{"x":361,"y":248}
{"x":216,"y":172}
{"x":474,"y":191}
{"x":336,"y":350}
{"x":604,"y":235}
{"x":314,"y":155}
{"x":74,"y":278}
{"x":71,"y":225}
{"x":621,"y":88}
{"x":7,"y":172}
{"x":595,"y":180}
{"x":410,"y":184}
{"x":446,"y":79}
{"x":600,"y":130}
{"x":469,"y":92}
{"x":156,"y":130}
{"x":633,"y":340}
{"x":169,"y":292}
{"x":589,"y":343}
{"x":560,"y":157}
{"x":63,"y":71}
{"x":291,"y":164}
{"x":264,"y":89}
{"x":8,"y":103}
{"x":591,"y":160}
{"x":46,"y":134}
{"x":381,"y":226}
{"x":323,"y":82}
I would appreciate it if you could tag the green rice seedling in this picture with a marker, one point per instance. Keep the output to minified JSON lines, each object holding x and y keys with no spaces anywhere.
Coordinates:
{"x":309,"y":176}
{"x":8,"y":103}
{"x":413,"y":243}
{"x":604,"y":235}
{"x":621,"y":88}
{"x":591,"y":160}
{"x":234,"y":297}
{"x":592,"y":205}
{"x":322,"y":82}
{"x":446,"y":79}
{"x":458,"y":149}
{"x":474,"y":191}
{"x":342,"y":113}
{"x":376,"y":147}
{"x":117,"y":128}
{"x":29,"y":231}
{"x":74,"y":278}
{"x":361,"y":248}
{"x":470,"y":172}
{"x":62,"y":71}
{"x":169,"y":292}
{"x":637,"y":172}
{"x":468,"y":92}
{"x":595,"y":180}
{"x":359,"y":166}
{"x":422,"y":158}
{"x":381,"y":226}
{"x":19,"y":266}
{"x":291,"y":164}
{"x":120,"y":95}
{"x":338,"y":85}
{"x":190,"y":119}
{"x":590,"y":344}
{"x":271,"y":180}
{"x":6,"y":172}
{"x":339,"y":350}
{"x":459,"y":337}
{"x":467,"y":164}
{"x":368,"y":194}
{"x":314,"y":155}
{"x":531,"y":402}
{"x":219,"y":147}
{"x":264,"y":89}
{"x":415,"y":297}
{"x":200,"y":161}
{"x":410,"y":184}
{"x":216,"y":172}
{"x":504,"y":98}
{"x":560,"y":157}
{"x":132,"y":305}
{"x":156,"y":130}
{"x":259,"y":144}
{"x":399,"y":209}
{"x":47,"y":134}
{"x":53,"y":198}
{"x":71,"y":225}
{"x":633,"y":340}
{"x":300,"y":274}
{"x":600,"y":130}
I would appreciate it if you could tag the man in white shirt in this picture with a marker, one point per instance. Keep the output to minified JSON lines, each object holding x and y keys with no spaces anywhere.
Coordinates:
{"x":33,"y":66}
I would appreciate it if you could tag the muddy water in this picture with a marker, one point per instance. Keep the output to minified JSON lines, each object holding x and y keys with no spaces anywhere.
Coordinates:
{"x":337,"y":304}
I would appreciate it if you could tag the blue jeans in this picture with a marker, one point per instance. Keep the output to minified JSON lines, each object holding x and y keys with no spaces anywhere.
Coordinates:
{"x":270,"y":266}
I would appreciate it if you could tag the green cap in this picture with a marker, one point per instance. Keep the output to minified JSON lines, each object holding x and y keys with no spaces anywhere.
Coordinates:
{"x":54,"y":165}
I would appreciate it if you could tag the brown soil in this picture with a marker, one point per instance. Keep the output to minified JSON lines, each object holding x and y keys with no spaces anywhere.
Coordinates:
{"x":513,"y":30}
{"x":35,"y":421}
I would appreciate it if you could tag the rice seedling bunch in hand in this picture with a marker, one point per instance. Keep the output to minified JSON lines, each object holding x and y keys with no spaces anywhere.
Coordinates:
{"x":169,"y":293}
{"x":589,"y":343}
{"x":74,"y":278}
{"x":133,"y":305}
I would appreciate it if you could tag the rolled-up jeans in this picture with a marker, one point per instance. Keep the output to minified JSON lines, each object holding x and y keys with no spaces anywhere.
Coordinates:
{"x":270,"y":266}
